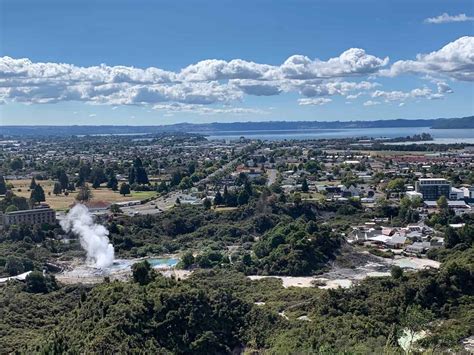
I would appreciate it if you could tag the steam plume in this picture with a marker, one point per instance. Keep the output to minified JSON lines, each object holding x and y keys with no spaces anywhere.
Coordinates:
{"x":93,"y":237}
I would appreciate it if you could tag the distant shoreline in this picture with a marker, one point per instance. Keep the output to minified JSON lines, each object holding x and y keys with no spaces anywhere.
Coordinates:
{"x":223,"y":128}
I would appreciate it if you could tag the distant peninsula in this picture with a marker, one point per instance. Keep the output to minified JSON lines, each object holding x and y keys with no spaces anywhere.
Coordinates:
{"x":216,"y":127}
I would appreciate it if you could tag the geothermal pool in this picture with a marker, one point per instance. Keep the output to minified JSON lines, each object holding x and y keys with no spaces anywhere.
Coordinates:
{"x":120,"y":269}
{"x":156,"y":263}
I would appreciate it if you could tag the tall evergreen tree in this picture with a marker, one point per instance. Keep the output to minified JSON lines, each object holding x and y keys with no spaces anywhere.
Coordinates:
{"x":131,"y":175}
{"x":37,"y":195}
{"x":63,"y":180}
{"x":112,"y":182}
{"x":243,"y":197}
{"x":218,"y":200}
{"x":225,"y":196}
{"x":57,"y":188}
{"x":304,"y":186}
{"x":3,"y":185}
{"x":32,"y":183}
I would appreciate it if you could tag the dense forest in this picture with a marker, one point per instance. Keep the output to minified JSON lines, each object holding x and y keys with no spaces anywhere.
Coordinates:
{"x":219,"y":311}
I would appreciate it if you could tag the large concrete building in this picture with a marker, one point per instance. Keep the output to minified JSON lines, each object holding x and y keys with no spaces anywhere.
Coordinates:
{"x":433,"y":188}
{"x":34,"y":216}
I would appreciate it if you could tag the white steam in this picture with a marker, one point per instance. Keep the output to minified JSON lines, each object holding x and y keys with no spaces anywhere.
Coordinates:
{"x":93,"y":237}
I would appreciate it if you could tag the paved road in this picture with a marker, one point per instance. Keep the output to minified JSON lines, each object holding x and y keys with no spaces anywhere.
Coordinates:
{"x":208,"y":178}
{"x":155,"y":206}
{"x":164,"y":203}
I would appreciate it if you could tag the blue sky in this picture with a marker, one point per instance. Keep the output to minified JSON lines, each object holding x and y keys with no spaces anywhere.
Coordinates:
{"x":234,"y":61}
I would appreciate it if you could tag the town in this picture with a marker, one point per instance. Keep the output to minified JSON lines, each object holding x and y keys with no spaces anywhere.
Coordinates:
{"x":315,"y":214}
{"x":391,"y":203}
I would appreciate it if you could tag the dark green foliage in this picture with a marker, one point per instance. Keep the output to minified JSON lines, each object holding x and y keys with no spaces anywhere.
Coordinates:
{"x":32,"y":183}
{"x":137,"y":173}
{"x":36,"y":282}
{"x":187,"y":260}
{"x":57,"y":188}
{"x":26,"y":317}
{"x":218,"y":200}
{"x":16,"y":164}
{"x":396,"y":272}
{"x":124,"y":189}
{"x":119,"y":317}
{"x":207,"y":203}
{"x":11,"y":199}
{"x":14,"y":266}
{"x":293,"y":249}
{"x":3,"y":185}
{"x":84,"y":194}
{"x":142,"y":272}
{"x":112,"y":182}
{"x":63,"y":180}
{"x":304,"y":186}
{"x":37,"y":195}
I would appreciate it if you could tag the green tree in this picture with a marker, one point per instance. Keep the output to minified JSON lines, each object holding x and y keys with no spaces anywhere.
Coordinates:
{"x":442,"y":203}
{"x":97,"y":175}
{"x":131,"y":176}
{"x":396,"y":185}
{"x":226,"y":195}
{"x":96,"y":183}
{"x":14,"y":266}
{"x":57,"y":188}
{"x":185,"y":183}
{"x":37,"y":195}
{"x":124,"y":189}
{"x":304,"y":186}
{"x":63,"y":180}
{"x":142,"y":272}
{"x":16,"y":164}
{"x":162,"y":187}
{"x":243,"y":197}
{"x":139,"y":174}
{"x":218,"y":200}
{"x":187,"y":260}
{"x":84,"y":194}
{"x":3,"y":185}
{"x":207,"y":204}
{"x":112,"y":182}
{"x":396,"y":272}
{"x":36,"y":282}
{"x":32,"y":183}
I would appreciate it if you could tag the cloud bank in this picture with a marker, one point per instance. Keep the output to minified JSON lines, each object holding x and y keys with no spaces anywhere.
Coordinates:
{"x":200,"y":86}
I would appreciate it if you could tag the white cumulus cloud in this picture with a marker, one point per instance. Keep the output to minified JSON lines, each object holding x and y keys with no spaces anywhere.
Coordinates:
{"x":454,"y":60}
{"x":371,"y":103}
{"x":446,"y":18}
{"x":319,"y":101}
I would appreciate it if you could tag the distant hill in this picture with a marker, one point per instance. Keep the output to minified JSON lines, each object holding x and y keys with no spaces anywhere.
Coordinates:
{"x":208,"y":128}
{"x":463,"y":122}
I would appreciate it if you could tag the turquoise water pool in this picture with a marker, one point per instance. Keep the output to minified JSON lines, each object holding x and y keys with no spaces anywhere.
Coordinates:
{"x":163,"y":262}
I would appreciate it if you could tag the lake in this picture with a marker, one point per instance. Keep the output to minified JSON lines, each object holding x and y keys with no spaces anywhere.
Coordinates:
{"x":440,"y":136}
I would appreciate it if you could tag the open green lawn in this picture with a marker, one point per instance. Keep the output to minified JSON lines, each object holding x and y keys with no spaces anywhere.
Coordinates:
{"x":63,"y":202}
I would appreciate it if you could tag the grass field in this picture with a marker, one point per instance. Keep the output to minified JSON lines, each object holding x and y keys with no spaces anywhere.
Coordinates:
{"x":63,"y":202}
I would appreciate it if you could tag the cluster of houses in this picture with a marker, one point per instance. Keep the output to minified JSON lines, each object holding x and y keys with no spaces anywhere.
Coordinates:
{"x":412,"y":239}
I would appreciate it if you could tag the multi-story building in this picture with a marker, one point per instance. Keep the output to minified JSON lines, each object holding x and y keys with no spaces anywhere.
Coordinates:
{"x":34,"y":216}
{"x":433,"y":188}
